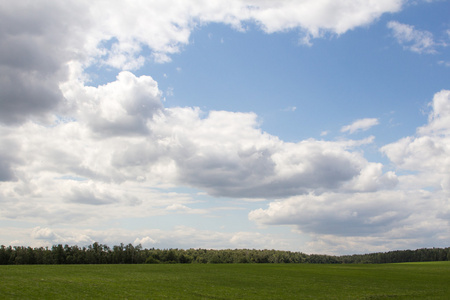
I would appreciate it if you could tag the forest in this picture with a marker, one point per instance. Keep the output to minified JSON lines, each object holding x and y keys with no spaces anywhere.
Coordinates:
{"x":129,"y":254}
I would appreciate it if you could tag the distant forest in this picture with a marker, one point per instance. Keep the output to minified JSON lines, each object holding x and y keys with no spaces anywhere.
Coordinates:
{"x":129,"y":254}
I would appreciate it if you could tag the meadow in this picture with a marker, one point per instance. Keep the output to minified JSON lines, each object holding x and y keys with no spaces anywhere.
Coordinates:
{"x":428,"y":280}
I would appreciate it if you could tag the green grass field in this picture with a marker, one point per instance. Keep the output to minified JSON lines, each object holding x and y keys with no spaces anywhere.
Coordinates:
{"x":227,"y":281}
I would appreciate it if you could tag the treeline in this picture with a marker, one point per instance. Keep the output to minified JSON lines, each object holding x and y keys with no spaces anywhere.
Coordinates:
{"x":424,"y":254}
{"x":129,"y":254}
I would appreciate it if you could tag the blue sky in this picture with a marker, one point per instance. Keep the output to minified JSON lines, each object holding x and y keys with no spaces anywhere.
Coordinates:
{"x":297,"y":90}
{"x":312,"y":126}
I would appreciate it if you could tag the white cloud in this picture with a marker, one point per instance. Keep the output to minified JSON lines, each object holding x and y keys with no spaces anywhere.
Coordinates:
{"x":362,"y":222}
{"x":419,"y":41}
{"x":166,"y":27}
{"x":439,"y":118}
{"x":412,"y":214}
{"x":317,"y":17}
{"x":428,"y":151}
{"x":43,"y":233}
{"x":360,"y":125}
{"x":146,"y":242}
{"x":87,"y":170}
{"x":120,"y":107}
{"x":337,"y":214}
{"x":226,"y":154}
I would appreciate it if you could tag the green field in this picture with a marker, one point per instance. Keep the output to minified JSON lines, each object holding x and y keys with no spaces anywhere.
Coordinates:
{"x":227,"y":281}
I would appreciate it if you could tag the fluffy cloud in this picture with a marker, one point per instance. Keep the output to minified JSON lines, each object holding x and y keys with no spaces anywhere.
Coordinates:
{"x":413,"y":214}
{"x":363,"y":222}
{"x":428,"y":152}
{"x":123,"y":133}
{"x":85,"y":172}
{"x":226,"y":154}
{"x":122,"y":107}
{"x":337,"y":214}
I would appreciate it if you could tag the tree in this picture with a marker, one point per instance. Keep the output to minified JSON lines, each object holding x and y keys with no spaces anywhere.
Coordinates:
{"x":59,"y":255}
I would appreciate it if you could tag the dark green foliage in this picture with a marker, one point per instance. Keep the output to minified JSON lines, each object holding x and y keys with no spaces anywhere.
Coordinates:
{"x":419,"y":255}
{"x":129,"y":254}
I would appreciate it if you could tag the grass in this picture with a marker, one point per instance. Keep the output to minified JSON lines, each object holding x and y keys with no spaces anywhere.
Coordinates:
{"x":227,"y":281}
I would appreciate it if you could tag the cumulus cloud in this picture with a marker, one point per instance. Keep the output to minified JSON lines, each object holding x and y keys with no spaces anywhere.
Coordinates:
{"x":392,"y":212}
{"x":120,"y":107}
{"x":223,"y":153}
{"x":428,"y":151}
{"x":360,"y":125}
{"x":226,"y":154}
{"x":362,"y":222}
{"x":77,"y":173}
{"x":336,"y":214}
{"x":419,"y":41}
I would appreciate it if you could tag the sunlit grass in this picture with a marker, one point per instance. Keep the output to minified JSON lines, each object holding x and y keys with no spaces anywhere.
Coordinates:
{"x":226,"y":281}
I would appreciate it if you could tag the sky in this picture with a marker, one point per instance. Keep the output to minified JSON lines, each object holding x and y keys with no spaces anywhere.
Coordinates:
{"x":315,"y":126}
